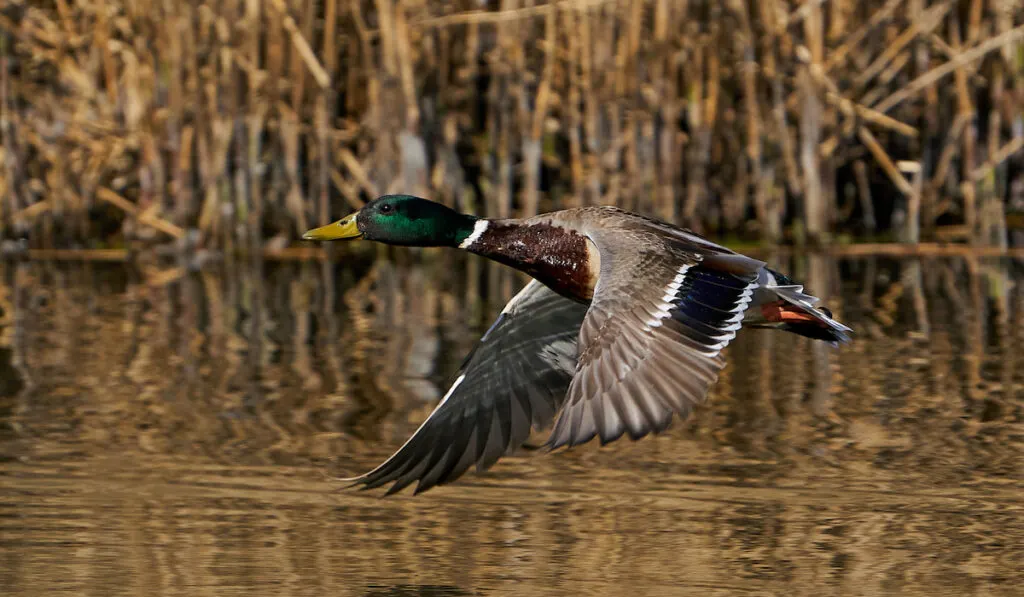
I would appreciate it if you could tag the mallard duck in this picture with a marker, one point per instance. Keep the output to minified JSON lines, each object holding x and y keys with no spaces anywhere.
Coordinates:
{"x":621,"y":327}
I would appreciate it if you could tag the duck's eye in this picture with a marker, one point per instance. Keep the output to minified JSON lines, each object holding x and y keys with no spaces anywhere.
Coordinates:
{"x":386,"y":208}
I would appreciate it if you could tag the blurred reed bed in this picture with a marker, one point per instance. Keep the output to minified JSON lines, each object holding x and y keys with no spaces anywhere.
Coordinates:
{"x":240,"y":123}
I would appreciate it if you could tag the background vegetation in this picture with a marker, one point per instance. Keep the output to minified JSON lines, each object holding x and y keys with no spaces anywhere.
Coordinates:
{"x":240,"y":123}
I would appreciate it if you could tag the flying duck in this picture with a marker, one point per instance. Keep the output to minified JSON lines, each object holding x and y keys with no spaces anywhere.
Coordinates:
{"x":622,"y":327}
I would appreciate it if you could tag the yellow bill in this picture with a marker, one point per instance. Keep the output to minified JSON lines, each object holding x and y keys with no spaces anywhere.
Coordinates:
{"x":342,"y":229}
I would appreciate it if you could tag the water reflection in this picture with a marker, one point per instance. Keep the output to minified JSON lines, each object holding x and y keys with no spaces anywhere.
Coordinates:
{"x":171,"y":432}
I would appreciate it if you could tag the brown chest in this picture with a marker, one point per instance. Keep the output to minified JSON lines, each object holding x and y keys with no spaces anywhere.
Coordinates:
{"x":560,"y":258}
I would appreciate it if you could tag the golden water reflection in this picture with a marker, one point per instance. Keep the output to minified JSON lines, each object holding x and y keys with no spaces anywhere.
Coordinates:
{"x":174,"y":433}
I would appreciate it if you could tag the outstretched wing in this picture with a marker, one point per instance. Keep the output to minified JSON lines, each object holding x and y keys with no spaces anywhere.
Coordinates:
{"x":514,"y":379}
{"x":650,"y":345}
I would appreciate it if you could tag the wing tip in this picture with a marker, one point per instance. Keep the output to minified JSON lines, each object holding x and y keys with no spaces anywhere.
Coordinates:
{"x":365,"y":483}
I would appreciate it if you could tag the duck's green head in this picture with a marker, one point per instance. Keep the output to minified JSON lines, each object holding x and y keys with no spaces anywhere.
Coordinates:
{"x":400,"y":220}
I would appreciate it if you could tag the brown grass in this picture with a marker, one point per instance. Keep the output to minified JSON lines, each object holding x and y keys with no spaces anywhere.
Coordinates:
{"x":240,"y":123}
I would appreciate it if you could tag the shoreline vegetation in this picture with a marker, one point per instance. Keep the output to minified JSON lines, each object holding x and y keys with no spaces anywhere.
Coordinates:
{"x":234,"y":126}
{"x":313,"y":253}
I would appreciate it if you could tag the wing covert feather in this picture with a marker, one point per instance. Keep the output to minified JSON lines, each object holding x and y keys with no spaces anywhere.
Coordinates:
{"x":651,"y":342}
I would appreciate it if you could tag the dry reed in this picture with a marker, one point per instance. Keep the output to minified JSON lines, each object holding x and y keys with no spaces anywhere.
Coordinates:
{"x":239,"y":123}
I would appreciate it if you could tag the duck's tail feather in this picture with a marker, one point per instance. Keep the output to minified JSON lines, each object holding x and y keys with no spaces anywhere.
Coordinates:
{"x":790,"y":309}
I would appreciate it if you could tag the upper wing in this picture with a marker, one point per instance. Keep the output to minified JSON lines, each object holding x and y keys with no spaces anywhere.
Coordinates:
{"x":515,"y":378}
{"x":650,"y":343}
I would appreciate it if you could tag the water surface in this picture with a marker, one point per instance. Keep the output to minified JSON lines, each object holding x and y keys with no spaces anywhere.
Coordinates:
{"x":172,"y":432}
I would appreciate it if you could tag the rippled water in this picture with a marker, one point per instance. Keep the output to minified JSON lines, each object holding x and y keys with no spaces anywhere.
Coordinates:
{"x":165,"y":432}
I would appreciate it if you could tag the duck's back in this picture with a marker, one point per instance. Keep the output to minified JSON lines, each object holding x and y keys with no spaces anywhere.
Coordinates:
{"x":631,"y":229}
